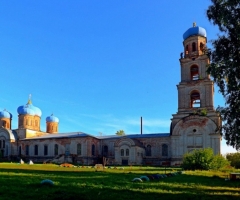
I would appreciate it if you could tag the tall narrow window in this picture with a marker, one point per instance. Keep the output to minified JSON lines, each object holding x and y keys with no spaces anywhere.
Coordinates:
{"x":122,"y":152}
{"x":55,"y":149}
{"x":195,"y":100}
{"x":194,"y":73}
{"x":36,"y":123}
{"x":127,"y":152}
{"x":186,"y":50}
{"x":201,"y":46}
{"x":26,"y":121}
{"x":36,"y":150}
{"x":79,"y":149}
{"x":148,"y":150}
{"x":27,"y":150}
{"x":193,"y":46}
{"x":0,"y":144}
{"x":93,"y":150}
{"x":3,"y":143}
{"x":45,"y":150}
{"x":6,"y":150}
{"x":19,"y":151}
{"x":105,"y":150}
{"x":164,"y":150}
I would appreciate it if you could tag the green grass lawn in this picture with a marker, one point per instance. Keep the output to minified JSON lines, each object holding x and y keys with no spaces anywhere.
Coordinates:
{"x":23,"y":182}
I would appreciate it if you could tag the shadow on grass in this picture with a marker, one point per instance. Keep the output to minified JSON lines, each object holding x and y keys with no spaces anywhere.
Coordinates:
{"x":25,"y":184}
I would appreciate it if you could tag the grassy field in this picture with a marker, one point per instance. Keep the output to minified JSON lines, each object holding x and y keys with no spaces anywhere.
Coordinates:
{"x":23,"y":182}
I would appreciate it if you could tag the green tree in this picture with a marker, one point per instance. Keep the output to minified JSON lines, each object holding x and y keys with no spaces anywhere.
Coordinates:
{"x":234,"y":159}
{"x":120,"y":132}
{"x":203,"y":159}
{"x":225,"y":64}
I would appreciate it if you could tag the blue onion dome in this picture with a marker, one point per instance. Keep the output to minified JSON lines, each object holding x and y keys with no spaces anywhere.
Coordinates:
{"x":195,"y":30}
{"x":52,"y":119}
{"x":25,"y":110}
{"x":29,"y":109}
{"x":5,"y":114}
{"x":37,"y":111}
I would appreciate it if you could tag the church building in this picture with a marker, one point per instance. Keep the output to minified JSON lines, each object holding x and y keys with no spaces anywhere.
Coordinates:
{"x":194,"y":126}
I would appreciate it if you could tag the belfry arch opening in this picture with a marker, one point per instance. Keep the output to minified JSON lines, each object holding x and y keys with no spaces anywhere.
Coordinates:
{"x":186,"y":50}
{"x":194,"y":73}
{"x":194,"y":47}
{"x":195,"y":99}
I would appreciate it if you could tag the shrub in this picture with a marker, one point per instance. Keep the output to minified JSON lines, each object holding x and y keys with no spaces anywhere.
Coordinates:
{"x":219,"y":162}
{"x":234,"y":159}
{"x":203,"y":159}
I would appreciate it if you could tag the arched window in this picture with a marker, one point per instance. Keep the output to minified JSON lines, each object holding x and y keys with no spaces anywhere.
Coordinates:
{"x":193,"y":46}
{"x":105,"y":150}
{"x":148,"y":150}
{"x":195,"y":100}
{"x":45,"y":150}
{"x":194,"y":73}
{"x":93,"y":150}
{"x":79,"y":149}
{"x":186,"y":50}
{"x":122,"y":152}
{"x":3,"y":143}
{"x":36,"y":150}
{"x":127,"y":152}
{"x":36,"y":123}
{"x":27,"y":150}
{"x":164,"y":150}
{"x":55,"y":149}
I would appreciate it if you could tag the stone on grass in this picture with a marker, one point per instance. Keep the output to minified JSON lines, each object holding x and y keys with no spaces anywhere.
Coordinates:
{"x":137,"y":180}
{"x":144,"y":178}
{"x":47,"y":182}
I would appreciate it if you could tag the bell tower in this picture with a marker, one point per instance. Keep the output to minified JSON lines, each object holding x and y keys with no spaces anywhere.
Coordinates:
{"x":195,"y":123}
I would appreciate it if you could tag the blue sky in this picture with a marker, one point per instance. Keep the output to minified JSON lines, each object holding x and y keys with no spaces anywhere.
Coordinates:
{"x":97,"y":65}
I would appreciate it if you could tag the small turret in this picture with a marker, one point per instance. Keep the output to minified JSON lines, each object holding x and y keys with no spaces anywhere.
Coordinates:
{"x":5,"y":119}
{"x":52,"y":124}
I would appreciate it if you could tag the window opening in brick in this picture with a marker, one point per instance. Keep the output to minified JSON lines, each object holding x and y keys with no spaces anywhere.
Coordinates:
{"x":45,"y":150}
{"x":164,"y":150}
{"x":105,"y":150}
{"x":148,"y":150}
{"x":79,"y":149}
{"x":186,"y":50}
{"x":122,"y":152}
{"x":27,"y":150}
{"x":127,"y":152}
{"x":93,"y":150}
{"x":36,"y":150}
{"x":195,"y":100}
{"x":55,"y":149}
{"x":194,"y":73}
{"x":193,"y":46}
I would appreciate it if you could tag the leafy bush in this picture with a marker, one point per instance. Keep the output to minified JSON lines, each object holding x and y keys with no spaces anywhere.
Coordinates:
{"x":203,"y":159}
{"x":234,"y":159}
{"x":219,"y":162}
